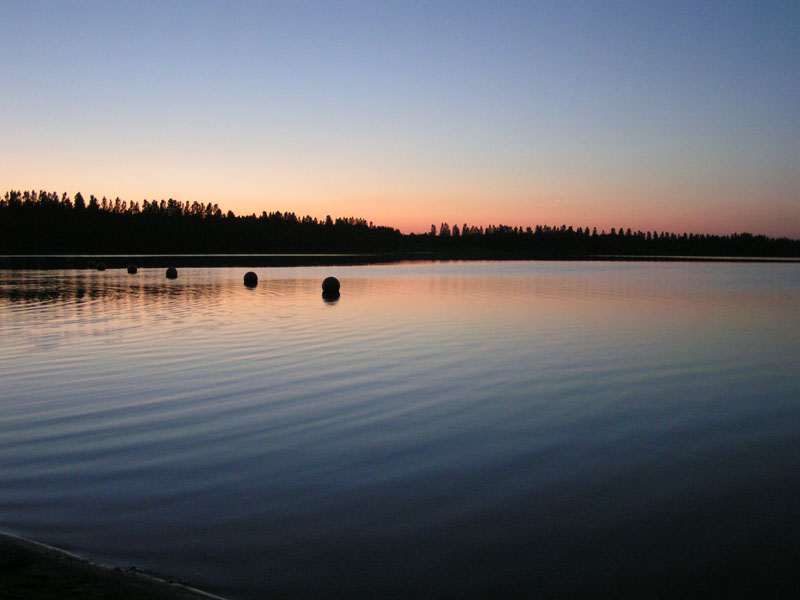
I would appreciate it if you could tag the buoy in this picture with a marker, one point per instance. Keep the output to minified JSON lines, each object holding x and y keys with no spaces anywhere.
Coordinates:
{"x":101,"y":266}
{"x":330,"y":285}
{"x":250,"y":279}
{"x":172,"y":273}
{"x":132,"y":269}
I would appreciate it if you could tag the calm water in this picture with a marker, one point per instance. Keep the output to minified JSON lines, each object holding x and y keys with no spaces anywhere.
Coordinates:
{"x":443,"y":429}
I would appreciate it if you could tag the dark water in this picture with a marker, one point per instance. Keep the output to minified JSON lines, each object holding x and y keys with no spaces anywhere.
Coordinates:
{"x":526,"y":429}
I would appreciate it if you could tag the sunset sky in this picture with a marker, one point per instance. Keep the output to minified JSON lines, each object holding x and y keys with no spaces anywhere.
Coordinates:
{"x":678,"y":116}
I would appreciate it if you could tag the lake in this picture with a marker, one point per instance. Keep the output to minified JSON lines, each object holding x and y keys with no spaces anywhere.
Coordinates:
{"x":526,"y":429}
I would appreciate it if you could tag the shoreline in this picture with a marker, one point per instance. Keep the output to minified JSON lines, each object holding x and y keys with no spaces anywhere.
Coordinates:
{"x":121,"y":261}
{"x":32,"y":570}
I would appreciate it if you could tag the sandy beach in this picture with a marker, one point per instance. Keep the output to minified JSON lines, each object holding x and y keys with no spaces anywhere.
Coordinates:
{"x":30,"y":570}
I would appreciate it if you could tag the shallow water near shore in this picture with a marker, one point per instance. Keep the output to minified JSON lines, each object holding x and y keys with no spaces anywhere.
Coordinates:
{"x":441,"y":429}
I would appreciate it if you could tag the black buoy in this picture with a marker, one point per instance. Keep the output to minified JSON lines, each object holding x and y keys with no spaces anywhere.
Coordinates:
{"x":172,"y":273}
{"x":132,"y":269}
{"x":101,"y":266}
{"x":330,"y":285}
{"x":250,"y":279}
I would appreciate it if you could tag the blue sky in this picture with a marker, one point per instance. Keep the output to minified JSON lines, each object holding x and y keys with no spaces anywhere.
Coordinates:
{"x":672,"y":115}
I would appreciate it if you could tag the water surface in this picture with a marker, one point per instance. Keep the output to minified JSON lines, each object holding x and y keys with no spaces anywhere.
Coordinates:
{"x":442,"y":429}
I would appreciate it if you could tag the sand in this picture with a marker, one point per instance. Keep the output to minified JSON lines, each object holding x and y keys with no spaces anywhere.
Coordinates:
{"x":30,"y":570}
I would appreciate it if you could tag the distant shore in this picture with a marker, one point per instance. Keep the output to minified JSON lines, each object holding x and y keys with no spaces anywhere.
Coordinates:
{"x":121,"y":261}
{"x":33,"y":571}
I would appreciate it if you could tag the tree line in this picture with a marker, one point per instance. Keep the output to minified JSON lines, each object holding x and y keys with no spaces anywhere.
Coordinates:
{"x":43,"y":222}
{"x":48,"y":223}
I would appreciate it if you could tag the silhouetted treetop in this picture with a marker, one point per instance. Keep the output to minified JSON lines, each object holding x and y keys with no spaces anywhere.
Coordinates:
{"x":48,"y":223}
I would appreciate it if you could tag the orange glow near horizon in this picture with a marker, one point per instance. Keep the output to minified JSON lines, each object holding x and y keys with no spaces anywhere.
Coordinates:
{"x":412,"y":200}
{"x":415,"y":210}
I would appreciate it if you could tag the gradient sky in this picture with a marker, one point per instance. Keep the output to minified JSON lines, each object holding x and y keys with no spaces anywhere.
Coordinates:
{"x":678,"y":116}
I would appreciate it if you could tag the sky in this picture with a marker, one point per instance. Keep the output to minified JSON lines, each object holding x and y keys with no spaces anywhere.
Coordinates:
{"x":676,"y":116}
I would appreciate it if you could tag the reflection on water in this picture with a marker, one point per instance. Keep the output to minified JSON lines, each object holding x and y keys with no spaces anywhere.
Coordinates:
{"x":437,"y":430}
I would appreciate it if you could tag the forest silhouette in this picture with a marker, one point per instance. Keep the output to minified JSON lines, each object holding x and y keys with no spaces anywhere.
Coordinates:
{"x":48,"y":223}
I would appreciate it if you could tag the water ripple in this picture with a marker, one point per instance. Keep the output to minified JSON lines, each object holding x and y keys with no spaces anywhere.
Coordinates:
{"x":451,"y":423}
